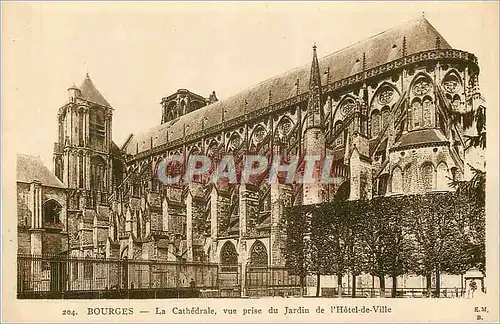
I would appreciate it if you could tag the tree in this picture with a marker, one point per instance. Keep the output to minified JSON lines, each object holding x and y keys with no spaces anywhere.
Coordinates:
{"x":298,"y":230}
{"x":470,"y":197}
{"x":399,"y":250}
{"x":433,"y":224}
{"x":337,"y":238}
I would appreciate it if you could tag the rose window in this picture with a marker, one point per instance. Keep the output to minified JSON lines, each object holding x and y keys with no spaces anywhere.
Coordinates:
{"x":386,"y":96}
{"x":451,"y":86}
{"x":421,"y":87}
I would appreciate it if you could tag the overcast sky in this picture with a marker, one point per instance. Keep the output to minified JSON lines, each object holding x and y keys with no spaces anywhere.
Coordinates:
{"x":138,"y":53}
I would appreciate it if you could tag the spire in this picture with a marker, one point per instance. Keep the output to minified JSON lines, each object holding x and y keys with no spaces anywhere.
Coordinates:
{"x":314,"y":110}
{"x":90,"y":92}
{"x":315,"y":80}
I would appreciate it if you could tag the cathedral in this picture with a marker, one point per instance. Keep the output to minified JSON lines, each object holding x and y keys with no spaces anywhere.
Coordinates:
{"x":384,"y":108}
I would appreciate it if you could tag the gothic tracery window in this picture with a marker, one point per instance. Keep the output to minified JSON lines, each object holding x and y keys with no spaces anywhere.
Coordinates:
{"x":259,"y":134}
{"x":228,"y":257}
{"x":347,"y":107}
{"x":416,"y":108}
{"x":451,"y":83}
{"x":427,"y":111}
{"x":421,"y":87}
{"x":258,"y":255}
{"x":384,"y":117}
{"x":234,"y":143}
{"x":284,"y":127}
{"x":385,"y":95}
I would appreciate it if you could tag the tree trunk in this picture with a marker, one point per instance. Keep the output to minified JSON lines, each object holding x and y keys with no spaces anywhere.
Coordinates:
{"x":302,"y":282}
{"x":339,"y":284}
{"x":429,"y":285}
{"x":394,"y":286}
{"x":382,"y":285}
{"x":318,"y":285}
{"x":438,"y":282}
{"x":353,"y":295}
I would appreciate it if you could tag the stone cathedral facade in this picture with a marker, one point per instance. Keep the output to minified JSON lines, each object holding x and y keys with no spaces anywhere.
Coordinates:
{"x":385,"y":108}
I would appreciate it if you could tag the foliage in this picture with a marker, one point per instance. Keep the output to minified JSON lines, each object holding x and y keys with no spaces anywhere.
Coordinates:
{"x":391,"y":235}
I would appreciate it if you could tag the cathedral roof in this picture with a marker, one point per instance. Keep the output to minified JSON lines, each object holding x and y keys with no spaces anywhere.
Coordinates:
{"x":90,"y":92}
{"x":422,"y":136}
{"x":415,"y":36}
{"x":31,"y":168}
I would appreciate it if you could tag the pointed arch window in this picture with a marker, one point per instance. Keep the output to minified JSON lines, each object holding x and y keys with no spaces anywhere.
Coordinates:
{"x":442,"y":177}
{"x":97,"y":128}
{"x":59,"y":168}
{"x":382,"y":184}
{"x":385,"y":117}
{"x":81,"y":125}
{"x":228,"y":258}
{"x":258,"y":255}
{"x":427,"y":111}
{"x":98,"y":174}
{"x":347,"y":107}
{"x":81,"y":178}
{"x":416,"y":108}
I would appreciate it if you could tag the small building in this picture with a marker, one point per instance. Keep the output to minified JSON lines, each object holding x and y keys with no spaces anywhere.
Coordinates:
{"x":41,"y":209}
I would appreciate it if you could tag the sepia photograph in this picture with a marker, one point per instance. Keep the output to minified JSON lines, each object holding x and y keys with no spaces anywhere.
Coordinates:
{"x":223,"y":152}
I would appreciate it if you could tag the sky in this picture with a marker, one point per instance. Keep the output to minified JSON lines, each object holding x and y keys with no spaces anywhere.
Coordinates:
{"x":137,"y":53}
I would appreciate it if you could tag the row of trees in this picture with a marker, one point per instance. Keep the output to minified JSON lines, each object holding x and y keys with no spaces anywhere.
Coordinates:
{"x":391,"y":236}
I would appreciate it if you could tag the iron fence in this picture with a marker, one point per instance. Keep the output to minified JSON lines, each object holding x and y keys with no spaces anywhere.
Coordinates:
{"x":400,"y":292}
{"x":272,"y":281}
{"x":61,"y":277}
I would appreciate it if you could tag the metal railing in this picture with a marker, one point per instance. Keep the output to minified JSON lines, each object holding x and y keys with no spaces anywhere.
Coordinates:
{"x":271,"y":281}
{"x":52,"y":276}
{"x":400,"y":293}
{"x":60,"y":277}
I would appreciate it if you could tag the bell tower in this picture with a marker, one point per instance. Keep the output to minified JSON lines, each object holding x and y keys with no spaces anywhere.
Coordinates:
{"x":82,"y":159}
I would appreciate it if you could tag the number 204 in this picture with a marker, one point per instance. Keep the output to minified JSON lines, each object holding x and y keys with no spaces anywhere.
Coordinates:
{"x":69,"y":312}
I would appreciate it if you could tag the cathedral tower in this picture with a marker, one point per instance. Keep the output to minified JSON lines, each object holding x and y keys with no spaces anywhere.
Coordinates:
{"x":82,"y":161}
